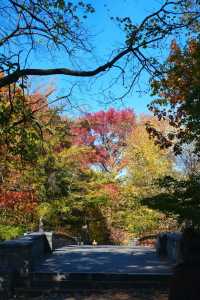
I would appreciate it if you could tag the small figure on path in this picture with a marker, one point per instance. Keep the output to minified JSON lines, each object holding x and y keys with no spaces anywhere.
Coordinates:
{"x":94,"y":243}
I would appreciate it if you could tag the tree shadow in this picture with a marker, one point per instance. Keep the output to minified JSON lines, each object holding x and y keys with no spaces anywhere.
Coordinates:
{"x":104,"y":260}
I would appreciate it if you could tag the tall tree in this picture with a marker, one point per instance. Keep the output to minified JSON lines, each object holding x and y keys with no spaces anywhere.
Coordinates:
{"x":179,"y":104}
{"x":21,"y":138}
{"x":145,"y":161}
{"x":105,"y":133}
{"x":179,"y":98}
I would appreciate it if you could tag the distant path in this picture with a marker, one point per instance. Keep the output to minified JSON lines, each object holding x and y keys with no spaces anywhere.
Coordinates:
{"x":104,"y":259}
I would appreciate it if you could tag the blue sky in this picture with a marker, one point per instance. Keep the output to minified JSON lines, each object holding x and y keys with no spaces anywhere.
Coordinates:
{"x":105,"y":36}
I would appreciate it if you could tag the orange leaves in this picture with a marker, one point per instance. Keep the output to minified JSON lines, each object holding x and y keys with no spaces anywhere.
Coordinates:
{"x":112,"y":190}
{"x":179,"y":94}
{"x":183,"y":72}
{"x":193,"y":47}
{"x":175,"y":47}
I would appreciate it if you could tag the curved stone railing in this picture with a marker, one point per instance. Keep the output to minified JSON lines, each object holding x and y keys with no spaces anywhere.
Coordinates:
{"x":18,"y":257}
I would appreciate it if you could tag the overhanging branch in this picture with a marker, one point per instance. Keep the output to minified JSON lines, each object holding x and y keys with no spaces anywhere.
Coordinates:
{"x":16,"y":75}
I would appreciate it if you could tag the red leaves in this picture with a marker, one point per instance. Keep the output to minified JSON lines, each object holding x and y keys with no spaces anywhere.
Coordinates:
{"x":24,"y":200}
{"x":112,"y":190}
{"x":105,"y":132}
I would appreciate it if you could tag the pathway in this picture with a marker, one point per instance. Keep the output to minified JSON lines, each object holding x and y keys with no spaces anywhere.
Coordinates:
{"x":101,"y":272}
{"x":104,"y":259}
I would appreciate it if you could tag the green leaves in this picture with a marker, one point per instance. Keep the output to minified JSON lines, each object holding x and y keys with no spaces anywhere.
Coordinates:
{"x":39,"y":154}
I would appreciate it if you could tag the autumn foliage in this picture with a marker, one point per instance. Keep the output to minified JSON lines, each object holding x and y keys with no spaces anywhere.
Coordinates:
{"x":179,"y":98}
{"x":23,"y":200}
{"x":105,"y":133}
{"x":74,"y":171}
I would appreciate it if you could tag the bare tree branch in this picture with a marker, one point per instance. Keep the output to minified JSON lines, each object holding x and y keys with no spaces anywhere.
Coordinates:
{"x":62,"y":27}
{"x":13,"y":77}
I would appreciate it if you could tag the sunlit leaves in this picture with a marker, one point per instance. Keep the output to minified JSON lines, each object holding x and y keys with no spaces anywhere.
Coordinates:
{"x":145,"y":160}
{"x":179,"y":97}
{"x":105,"y":133}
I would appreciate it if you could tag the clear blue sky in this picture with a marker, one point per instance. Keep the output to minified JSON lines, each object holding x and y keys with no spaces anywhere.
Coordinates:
{"x":105,"y":36}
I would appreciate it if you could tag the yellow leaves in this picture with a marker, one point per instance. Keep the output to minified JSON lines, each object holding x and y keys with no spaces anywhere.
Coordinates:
{"x":76,"y":155}
{"x":146,"y":161}
{"x":43,"y":209}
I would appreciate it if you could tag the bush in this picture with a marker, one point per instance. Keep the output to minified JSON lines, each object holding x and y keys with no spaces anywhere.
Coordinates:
{"x":10,"y":232}
{"x":144,"y":220}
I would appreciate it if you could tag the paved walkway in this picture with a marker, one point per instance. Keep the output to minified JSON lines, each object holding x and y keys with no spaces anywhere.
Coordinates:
{"x":104,"y":259}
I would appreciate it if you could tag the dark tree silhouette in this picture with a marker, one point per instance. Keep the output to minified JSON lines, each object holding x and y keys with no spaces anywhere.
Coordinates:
{"x":59,"y":24}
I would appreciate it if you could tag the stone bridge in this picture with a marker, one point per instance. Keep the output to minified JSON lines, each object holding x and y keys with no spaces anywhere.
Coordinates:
{"x":32,"y":264}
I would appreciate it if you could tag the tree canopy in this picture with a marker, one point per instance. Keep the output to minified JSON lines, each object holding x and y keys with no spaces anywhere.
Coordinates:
{"x":178,"y":104}
{"x":72,"y":172}
{"x":105,"y":133}
{"x":59,"y":26}
{"x":99,"y":169}
{"x":178,"y":100}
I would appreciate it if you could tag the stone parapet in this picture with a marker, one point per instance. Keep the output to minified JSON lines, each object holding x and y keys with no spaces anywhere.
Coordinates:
{"x":17,"y":258}
{"x":169,"y":245}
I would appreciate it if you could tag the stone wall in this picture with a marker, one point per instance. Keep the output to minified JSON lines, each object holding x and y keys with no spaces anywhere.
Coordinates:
{"x":169,"y":245}
{"x":17,"y":258}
